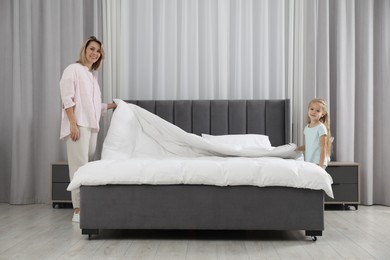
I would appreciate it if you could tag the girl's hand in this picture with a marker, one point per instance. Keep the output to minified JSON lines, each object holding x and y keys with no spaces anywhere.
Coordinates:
{"x":74,"y":132}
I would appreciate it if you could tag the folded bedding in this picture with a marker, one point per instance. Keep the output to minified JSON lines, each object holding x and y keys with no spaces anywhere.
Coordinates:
{"x":142,"y":148}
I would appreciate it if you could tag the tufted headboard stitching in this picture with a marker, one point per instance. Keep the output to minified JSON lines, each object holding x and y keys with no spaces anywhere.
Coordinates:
{"x":221,"y":117}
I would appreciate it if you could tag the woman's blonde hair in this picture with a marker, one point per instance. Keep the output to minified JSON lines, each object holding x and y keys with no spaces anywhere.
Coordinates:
{"x":83,"y":58}
{"x":325,"y":119}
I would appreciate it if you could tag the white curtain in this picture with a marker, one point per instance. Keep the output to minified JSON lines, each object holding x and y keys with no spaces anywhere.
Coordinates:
{"x":359,"y":66}
{"x":197,"y":49}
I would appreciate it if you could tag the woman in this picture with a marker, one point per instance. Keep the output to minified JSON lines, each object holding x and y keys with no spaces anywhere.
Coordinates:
{"x":82,"y":108}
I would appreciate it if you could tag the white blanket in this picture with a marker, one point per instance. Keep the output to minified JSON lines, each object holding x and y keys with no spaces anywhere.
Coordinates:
{"x":135,"y":132}
{"x":142,"y":148}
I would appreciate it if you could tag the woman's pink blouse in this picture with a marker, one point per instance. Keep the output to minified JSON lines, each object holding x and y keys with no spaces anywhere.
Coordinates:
{"x":80,"y":89}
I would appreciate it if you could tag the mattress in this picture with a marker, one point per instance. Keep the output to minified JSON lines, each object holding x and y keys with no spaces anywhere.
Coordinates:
{"x":218,"y":171}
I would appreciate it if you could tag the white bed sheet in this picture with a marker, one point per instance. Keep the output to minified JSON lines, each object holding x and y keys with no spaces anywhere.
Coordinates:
{"x":142,"y":148}
{"x":219,"y":171}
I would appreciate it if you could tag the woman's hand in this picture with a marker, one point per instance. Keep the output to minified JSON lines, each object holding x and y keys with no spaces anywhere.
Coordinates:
{"x":74,"y":129}
{"x":111,"y":105}
{"x":74,"y":132}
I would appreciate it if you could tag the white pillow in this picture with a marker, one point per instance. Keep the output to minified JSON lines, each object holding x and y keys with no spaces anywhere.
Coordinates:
{"x":240,"y":140}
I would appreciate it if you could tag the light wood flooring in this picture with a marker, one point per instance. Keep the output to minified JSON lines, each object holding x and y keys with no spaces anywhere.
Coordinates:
{"x":41,"y":232}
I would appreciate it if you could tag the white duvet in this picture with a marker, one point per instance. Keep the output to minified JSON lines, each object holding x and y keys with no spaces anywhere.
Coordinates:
{"x":142,"y":148}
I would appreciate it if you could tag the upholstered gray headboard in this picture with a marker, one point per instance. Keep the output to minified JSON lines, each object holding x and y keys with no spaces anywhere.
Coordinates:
{"x":220,"y":117}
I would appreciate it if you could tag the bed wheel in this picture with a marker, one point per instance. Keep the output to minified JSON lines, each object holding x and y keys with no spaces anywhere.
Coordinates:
{"x":90,"y":232}
{"x":313,"y":234}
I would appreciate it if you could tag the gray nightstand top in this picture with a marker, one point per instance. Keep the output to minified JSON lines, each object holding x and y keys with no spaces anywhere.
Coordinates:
{"x":336,"y":163}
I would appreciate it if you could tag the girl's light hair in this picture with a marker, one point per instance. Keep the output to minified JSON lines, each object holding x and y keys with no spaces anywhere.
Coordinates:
{"x":325,"y":119}
{"x":83,"y":59}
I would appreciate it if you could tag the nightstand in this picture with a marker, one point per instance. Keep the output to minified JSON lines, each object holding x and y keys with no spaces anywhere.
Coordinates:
{"x":346,"y":179}
{"x":59,"y":182}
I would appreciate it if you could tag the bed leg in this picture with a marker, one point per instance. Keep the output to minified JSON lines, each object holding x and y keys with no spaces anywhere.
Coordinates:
{"x":90,"y":232}
{"x":313,"y":234}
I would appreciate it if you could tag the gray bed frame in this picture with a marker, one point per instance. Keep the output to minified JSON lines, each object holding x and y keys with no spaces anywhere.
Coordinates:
{"x":204,"y":207}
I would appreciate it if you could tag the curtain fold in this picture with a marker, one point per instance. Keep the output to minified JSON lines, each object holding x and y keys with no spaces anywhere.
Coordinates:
{"x":343,"y":87}
{"x":364,"y":100}
{"x":378,"y":176}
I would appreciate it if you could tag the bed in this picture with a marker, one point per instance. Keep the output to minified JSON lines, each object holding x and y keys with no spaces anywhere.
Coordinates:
{"x":199,"y":205}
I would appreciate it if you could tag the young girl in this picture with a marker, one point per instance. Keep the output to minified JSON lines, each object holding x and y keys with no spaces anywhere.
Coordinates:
{"x":317,"y":146}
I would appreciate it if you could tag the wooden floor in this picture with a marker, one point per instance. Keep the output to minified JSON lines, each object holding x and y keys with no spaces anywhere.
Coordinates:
{"x":41,"y":232}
